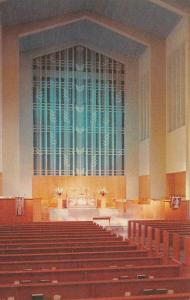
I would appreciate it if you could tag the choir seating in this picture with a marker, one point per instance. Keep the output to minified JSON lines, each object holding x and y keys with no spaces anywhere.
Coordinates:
{"x":82,"y":260}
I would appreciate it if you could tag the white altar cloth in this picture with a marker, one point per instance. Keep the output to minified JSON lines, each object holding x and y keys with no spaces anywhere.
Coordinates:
{"x":81,"y":202}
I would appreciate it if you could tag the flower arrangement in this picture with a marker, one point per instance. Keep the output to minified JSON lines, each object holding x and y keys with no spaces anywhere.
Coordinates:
{"x":103,"y":191}
{"x":59,"y":191}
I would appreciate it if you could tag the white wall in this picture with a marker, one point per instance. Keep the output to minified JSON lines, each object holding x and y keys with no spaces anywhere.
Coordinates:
{"x":132,"y":128}
{"x":144,"y":157}
{"x":176,"y":151}
{"x":144,"y":151}
{"x":1,"y":159}
{"x":177,"y":36}
{"x":176,"y":139}
{"x":26,"y":126}
{"x":158,"y":120}
{"x":11,"y":130}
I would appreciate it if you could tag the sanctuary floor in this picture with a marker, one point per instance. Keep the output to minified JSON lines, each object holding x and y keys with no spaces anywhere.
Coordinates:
{"x":118,"y":222}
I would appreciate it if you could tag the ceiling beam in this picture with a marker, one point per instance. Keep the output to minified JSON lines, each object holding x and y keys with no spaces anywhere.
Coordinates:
{"x":176,"y":7}
{"x":135,"y":34}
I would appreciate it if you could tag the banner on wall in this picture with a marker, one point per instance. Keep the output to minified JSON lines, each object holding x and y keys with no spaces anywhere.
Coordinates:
{"x":175,"y":201}
{"x":19,"y":206}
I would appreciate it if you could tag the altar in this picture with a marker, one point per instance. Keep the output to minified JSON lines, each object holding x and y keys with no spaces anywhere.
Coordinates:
{"x":81,"y":201}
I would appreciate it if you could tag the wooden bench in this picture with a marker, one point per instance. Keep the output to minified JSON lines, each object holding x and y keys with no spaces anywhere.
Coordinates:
{"x":101,"y":288}
{"x":179,"y":241}
{"x":73,"y":255}
{"x":63,"y":239}
{"x":102,"y":218}
{"x":53,"y":232}
{"x":152,"y":237}
{"x":50,"y":244}
{"x":177,"y":296}
{"x":68,"y":249}
{"x":60,"y":234}
{"x":146,"y":229}
{"x":80,"y":263}
{"x":84,"y":260}
{"x":101,"y":273}
{"x":132,"y":224}
{"x":157,"y":236}
{"x":152,"y":234}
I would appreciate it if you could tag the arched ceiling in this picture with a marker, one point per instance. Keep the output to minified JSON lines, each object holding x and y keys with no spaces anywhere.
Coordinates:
{"x":141,"y":14}
{"x":185,"y":3}
{"x":144,"y":15}
{"x":84,"y":31}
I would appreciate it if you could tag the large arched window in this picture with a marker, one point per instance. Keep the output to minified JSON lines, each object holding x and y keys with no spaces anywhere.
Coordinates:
{"x":78,"y":113}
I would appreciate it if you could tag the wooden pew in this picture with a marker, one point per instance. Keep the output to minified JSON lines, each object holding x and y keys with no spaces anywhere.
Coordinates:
{"x":187,"y":251}
{"x":50,"y":244}
{"x":148,"y":231}
{"x":42,"y":235}
{"x":62,"y":239}
{"x":154,"y":234}
{"x":102,"y":288}
{"x":45,"y":223}
{"x":150,"y":235}
{"x":62,"y":224}
{"x":132,"y":226}
{"x":71,"y":249}
{"x":104,"y":264}
{"x":80,"y":263}
{"x":177,"y":296}
{"x":168,"y":241}
{"x":180,"y":241}
{"x":79,"y":274}
{"x":73,"y":255}
{"x":164,"y":237}
{"x":53,"y":232}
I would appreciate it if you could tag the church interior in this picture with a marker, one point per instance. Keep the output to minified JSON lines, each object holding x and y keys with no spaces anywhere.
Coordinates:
{"x":94,"y":149}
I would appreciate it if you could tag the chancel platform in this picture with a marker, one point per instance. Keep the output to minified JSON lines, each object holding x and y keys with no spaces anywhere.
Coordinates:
{"x":56,"y":214}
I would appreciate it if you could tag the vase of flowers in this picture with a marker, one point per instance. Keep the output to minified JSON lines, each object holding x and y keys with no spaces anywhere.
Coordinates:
{"x":59,"y":196}
{"x":103,"y":192}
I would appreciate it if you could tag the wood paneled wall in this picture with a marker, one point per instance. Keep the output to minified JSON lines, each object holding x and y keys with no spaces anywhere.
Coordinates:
{"x":8,"y":211}
{"x":1,"y":184}
{"x":36,"y":211}
{"x":44,"y":186}
{"x":176,"y":184}
{"x":144,"y":187}
{"x":157,"y":209}
{"x":179,"y":214}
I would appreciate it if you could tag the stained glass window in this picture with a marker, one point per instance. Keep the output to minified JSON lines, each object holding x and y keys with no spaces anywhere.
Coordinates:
{"x":78,"y":113}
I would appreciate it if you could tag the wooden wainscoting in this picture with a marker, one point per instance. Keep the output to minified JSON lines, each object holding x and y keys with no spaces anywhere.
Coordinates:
{"x":8,"y":211}
{"x":175,"y":184}
{"x":144,"y":187}
{"x":1,"y":184}
{"x":44,"y":187}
